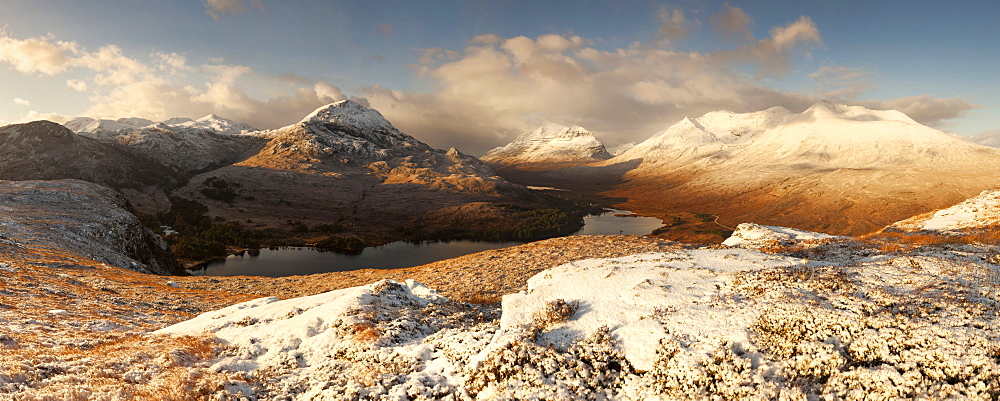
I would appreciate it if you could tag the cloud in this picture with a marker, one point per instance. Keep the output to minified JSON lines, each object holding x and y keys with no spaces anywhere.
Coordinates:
{"x":732,"y":23}
{"x":673,"y":26}
{"x":924,"y":109}
{"x":41,"y":55}
{"x":386,"y":29}
{"x":173,"y":63}
{"x":47,"y":55}
{"x":987,"y":138}
{"x":22,"y":102}
{"x":498,"y":87}
{"x":771,"y":56}
{"x":219,"y":8}
{"x":161,"y":98}
{"x":161,"y":87}
{"x":838,"y":82}
{"x":33,"y":115}
{"x":77,"y":85}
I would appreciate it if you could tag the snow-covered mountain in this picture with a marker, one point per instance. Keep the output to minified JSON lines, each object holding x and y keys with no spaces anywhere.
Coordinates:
{"x":561,"y":146}
{"x":184,"y":145}
{"x":618,"y":150}
{"x":98,"y":128}
{"x":845,"y":169}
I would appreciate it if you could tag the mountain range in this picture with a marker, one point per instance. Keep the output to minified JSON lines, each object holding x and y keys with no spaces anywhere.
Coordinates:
{"x":343,"y":167}
{"x":832,"y":168}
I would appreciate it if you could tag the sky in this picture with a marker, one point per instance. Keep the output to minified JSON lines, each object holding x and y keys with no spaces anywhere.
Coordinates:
{"x":475,"y":74}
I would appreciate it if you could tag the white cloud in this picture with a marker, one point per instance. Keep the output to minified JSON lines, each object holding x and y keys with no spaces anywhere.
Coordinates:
{"x":218,"y":8}
{"x":987,"y":138}
{"x":50,"y":56}
{"x":173,"y":63}
{"x":500,"y":86}
{"x":22,"y":102}
{"x":838,"y":82}
{"x":77,"y":85}
{"x":162,"y":98}
{"x":386,"y":29}
{"x":41,"y":55}
{"x":925,"y":109}
{"x":160,"y":88}
{"x":33,"y":115}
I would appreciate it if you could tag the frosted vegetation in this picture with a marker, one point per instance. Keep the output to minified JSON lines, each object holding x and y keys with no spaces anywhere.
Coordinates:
{"x":809,"y":316}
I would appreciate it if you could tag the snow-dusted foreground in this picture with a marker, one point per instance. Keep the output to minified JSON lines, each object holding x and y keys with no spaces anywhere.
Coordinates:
{"x":842,"y":322}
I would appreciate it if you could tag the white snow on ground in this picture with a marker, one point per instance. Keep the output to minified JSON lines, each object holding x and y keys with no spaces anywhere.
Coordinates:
{"x":981,"y":211}
{"x":846,"y":323}
{"x":641,"y":298}
{"x":751,"y":235}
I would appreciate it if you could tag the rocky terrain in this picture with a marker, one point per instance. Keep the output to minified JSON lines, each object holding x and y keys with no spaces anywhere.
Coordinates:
{"x":72,"y":217}
{"x":776,"y":313}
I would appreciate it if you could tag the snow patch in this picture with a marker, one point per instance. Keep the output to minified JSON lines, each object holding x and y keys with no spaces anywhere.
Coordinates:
{"x":755,"y":236}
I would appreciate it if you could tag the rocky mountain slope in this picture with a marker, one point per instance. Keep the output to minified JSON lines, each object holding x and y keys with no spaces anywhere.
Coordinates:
{"x":346,"y":165}
{"x":833,"y":168}
{"x":44,"y":150}
{"x":548,"y":147}
{"x":80,"y":218}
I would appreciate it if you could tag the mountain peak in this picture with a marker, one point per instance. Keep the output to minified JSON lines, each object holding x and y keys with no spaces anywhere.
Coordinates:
{"x":349,"y":113}
{"x":550,"y":143}
{"x":826,"y":109}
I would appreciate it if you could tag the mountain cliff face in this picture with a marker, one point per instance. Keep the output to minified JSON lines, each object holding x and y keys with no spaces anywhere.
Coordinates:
{"x":547,"y":147}
{"x":80,"y":218}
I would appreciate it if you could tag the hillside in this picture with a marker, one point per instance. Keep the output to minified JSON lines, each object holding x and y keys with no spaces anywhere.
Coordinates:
{"x":44,"y":150}
{"x":782,"y":313}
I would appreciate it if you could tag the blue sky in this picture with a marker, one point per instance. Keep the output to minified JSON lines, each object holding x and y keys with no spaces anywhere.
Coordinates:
{"x":472,"y":74}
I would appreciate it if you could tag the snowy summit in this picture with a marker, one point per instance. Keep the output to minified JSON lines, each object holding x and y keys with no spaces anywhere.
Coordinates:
{"x":550,"y":144}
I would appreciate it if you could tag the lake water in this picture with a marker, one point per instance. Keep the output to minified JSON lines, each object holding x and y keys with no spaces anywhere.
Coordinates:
{"x":292,"y":261}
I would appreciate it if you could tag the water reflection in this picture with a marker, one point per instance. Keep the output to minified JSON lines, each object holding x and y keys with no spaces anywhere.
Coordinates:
{"x":278,"y":262}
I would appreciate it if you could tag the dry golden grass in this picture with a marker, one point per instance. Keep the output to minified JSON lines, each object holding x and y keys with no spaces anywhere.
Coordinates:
{"x":132,"y":367}
{"x":897,"y":241}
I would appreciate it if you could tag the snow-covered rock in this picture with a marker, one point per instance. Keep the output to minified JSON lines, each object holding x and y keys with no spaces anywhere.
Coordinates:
{"x":641,"y":298}
{"x":692,"y":324}
{"x":550,"y":144}
{"x":982,"y":211}
{"x":755,"y":236}
{"x":269,"y":332}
